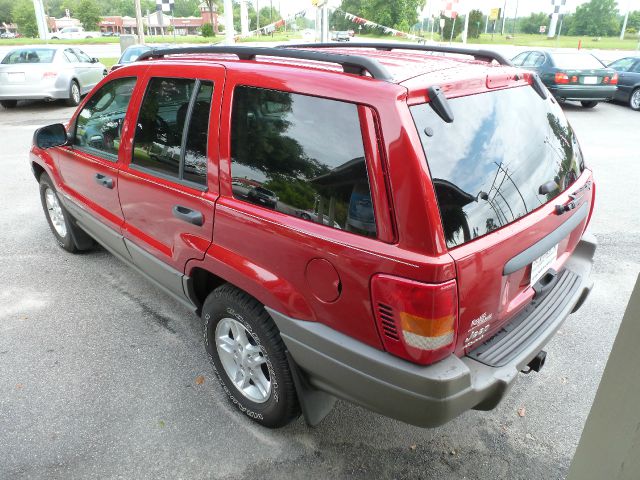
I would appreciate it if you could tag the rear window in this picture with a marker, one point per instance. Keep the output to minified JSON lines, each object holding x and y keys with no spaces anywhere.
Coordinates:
{"x":576,"y":61}
{"x":29,"y":55}
{"x":488,"y":165}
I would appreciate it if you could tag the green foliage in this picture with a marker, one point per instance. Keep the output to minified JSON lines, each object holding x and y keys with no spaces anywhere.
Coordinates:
{"x":398,"y":14}
{"x":24,"y":15}
{"x":6,"y":14}
{"x":457,"y":26}
{"x":186,"y":8}
{"x":598,"y":18}
{"x":634,"y":20}
{"x":476,"y":24}
{"x":207,"y":30}
{"x":532,"y":23}
{"x":88,"y":12}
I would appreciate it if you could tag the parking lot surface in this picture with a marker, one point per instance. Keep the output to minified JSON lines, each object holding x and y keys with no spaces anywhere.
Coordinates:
{"x":102,"y":376}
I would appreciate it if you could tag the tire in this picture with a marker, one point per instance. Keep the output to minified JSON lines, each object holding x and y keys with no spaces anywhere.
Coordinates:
{"x":589,"y":104}
{"x":634,"y":99}
{"x":74,"y":94}
{"x":9,"y":103}
{"x":225,"y":311}
{"x":57,"y":217}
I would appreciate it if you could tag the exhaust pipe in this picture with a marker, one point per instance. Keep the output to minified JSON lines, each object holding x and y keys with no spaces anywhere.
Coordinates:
{"x":536,"y":362}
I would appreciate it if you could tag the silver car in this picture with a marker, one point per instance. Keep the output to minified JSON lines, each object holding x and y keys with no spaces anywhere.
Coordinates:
{"x":48,"y":73}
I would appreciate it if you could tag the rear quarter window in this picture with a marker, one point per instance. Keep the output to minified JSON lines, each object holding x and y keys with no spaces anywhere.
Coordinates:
{"x":302,"y":156}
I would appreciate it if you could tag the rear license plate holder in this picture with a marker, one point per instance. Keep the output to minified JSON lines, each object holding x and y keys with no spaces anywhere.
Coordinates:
{"x":16,"y":77}
{"x":590,"y":80}
{"x":541,"y":264}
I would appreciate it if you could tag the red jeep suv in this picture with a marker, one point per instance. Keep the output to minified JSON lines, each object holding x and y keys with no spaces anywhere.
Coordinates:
{"x":400,"y":226}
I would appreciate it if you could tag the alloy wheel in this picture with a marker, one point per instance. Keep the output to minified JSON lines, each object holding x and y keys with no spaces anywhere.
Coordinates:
{"x":54,"y":211}
{"x":635,"y":99}
{"x":243,"y":360}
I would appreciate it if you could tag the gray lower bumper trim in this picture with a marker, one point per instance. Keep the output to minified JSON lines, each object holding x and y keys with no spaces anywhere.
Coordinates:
{"x":424,"y":396}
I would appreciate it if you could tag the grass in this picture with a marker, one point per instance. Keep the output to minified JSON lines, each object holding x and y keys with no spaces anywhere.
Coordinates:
{"x":279,"y":37}
{"x":108,"y":62}
{"x":536,"y":40}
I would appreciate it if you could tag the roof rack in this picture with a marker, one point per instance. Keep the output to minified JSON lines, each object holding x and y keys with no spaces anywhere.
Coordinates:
{"x":350,"y":63}
{"x":485,"y":55}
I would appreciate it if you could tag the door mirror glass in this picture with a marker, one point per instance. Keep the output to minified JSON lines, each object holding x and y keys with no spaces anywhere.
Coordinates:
{"x":50,"y":136}
{"x":94,"y":60}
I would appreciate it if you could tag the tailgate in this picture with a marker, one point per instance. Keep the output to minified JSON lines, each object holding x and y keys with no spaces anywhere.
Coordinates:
{"x":514,"y":198}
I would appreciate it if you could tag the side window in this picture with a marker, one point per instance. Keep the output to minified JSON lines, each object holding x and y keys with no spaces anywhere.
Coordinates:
{"x":623,"y":65}
{"x":83,"y":57}
{"x":519,"y":59}
{"x":535,"y":59}
{"x":159,"y":143}
{"x":636,"y":68}
{"x":99,"y":124}
{"x":70,"y":56}
{"x":302,"y":156}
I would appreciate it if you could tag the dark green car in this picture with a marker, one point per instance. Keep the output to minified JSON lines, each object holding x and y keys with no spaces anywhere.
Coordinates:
{"x":628,"y":69}
{"x":572,"y":75}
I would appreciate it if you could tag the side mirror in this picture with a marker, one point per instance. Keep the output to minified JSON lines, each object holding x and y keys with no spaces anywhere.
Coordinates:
{"x":50,"y":136}
{"x":94,"y":60}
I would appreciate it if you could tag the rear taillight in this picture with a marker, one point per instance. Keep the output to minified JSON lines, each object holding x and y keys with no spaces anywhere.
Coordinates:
{"x":561,"y":77}
{"x":417,"y":321}
{"x":614,"y":79}
{"x":46,"y":75}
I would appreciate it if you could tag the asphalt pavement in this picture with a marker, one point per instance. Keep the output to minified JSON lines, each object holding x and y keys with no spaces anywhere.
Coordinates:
{"x":99,"y":371}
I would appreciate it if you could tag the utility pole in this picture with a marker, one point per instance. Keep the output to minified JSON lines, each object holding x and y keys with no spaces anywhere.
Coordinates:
{"x":244,"y":18}
{"x":258,"y":16}
{"x":325,"y":23}
{"x":465,"y":30}
{"x":41,"y":19}
{"x":624,"y":23}
{"x":139,"y":25}
{"x":228,"y":20}
{"x":504,"y":15}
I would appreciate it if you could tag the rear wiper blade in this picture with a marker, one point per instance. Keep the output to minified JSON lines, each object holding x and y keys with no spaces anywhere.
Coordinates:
{"x":440,"y":104}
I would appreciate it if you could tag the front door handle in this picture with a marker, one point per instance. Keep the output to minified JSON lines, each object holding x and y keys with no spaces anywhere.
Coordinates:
{"x":103,"y":180}
{"x":188,"y":215}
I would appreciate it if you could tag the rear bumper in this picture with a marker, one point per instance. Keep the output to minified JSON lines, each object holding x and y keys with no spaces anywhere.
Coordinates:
{"x":581,"y":92}
{"x":423,"y":396}
{"x":33,"y":92}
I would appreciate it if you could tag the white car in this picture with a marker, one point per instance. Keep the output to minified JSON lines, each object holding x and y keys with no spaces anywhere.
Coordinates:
{"x":46,"y":72}
{"x":73,"y":33}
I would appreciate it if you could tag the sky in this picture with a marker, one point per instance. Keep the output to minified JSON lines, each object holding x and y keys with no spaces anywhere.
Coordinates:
{"x":525,"y":7}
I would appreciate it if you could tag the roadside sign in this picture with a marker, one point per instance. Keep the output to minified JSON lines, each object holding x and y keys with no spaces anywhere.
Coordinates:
{"x":543,"y":28}
{"x":442,"y":23}
{"x":495,"y":14}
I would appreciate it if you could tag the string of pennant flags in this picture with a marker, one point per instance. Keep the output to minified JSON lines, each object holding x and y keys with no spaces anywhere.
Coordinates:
{"x":368,"y":23}
{"x":270,"y":28}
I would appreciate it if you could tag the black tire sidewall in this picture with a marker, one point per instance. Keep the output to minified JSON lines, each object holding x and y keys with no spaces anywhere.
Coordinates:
{"x":222,"y":303}
{"x":71,"y":101}
{"x":631,"y":97}
{"x":65,"y":242}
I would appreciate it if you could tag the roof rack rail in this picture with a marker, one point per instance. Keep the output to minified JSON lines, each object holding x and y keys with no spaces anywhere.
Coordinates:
{"x":350,"y":63}
{"x":485,"y":55}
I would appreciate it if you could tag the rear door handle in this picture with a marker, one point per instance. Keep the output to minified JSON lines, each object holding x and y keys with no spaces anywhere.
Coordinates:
{"x":104,"y":180}
{"x":188,"y":215}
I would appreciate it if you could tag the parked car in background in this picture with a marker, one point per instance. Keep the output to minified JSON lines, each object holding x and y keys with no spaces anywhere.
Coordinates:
{"x":73,"y":33}
{"x":340,"y":36}
{"x":48,"y":73}
{"x":571,"y":75}
{"x":628,"y":69}
{"x":129,"y":55}
{"x":7,"y":34}
{"x":109,"y":34}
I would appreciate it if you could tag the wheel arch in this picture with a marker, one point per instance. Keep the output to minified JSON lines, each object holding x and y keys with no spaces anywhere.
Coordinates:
{"x":223,"y":266}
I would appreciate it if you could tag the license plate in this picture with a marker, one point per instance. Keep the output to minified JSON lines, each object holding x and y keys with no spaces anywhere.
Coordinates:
{"x":541,"y":264}
{"x":590,"y":80}
{"x":15,"y":77}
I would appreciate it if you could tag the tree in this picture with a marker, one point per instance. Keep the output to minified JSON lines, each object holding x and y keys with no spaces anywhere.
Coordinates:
{"x":596,"y":18}
{"x":457,"y":26}
{"x":399,"y":14}
{"x":212,"y":5}
{"x":88,"y":12}
{"x":634,"y":20}
{"x":532,"y":23}
{"x":475,"y":23}
{"x":207,"y":30}
{"x":6,"y":14}
{"x":186,"y":8}
{"x":24,"y":15}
